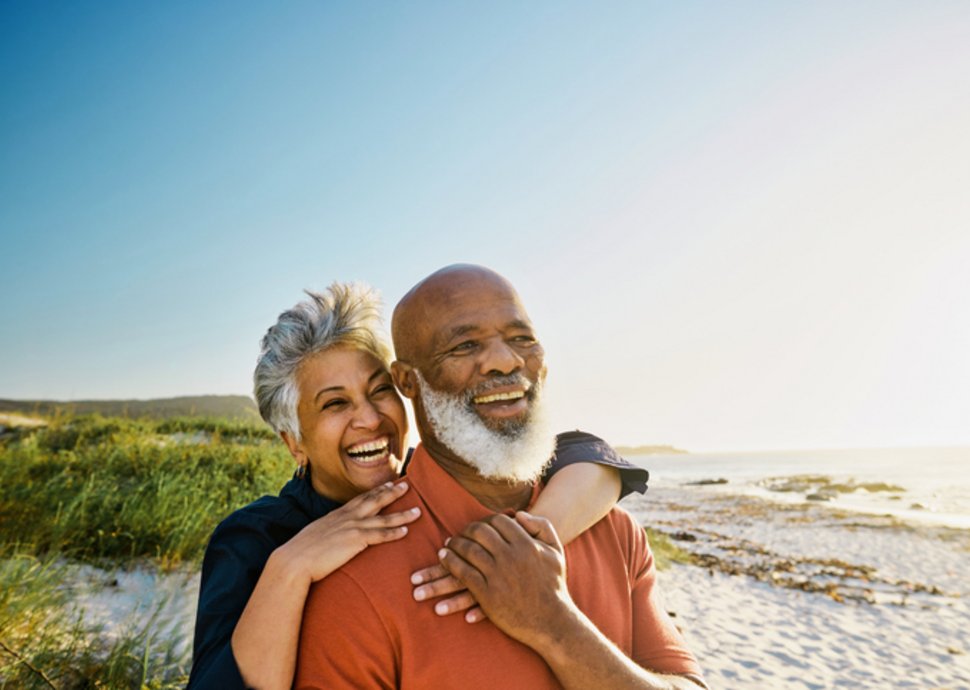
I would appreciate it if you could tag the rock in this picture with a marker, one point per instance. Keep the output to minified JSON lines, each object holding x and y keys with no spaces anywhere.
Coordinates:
{"x":708,"y":482}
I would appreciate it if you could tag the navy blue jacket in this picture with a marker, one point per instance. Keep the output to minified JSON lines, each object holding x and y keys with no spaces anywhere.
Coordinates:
{"x":243,"y":542}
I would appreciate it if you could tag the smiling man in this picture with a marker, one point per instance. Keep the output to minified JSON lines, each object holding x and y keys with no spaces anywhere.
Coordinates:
{"x":469,"y":360}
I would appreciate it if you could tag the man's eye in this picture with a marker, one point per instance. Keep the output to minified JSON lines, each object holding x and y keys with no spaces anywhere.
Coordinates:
{"x":528,"y":339}
{"x":466,"y":346}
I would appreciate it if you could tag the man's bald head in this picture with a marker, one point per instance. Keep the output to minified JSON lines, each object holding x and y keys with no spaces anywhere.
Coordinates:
{"x":430,"y":302}
{"x":470,"y":362}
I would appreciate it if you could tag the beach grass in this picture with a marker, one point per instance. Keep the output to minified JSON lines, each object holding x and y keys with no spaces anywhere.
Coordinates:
{"x":665,"y":551}
{"x":45,"y":643}
{"x":98,"y":489}
{"x":113,"y":492}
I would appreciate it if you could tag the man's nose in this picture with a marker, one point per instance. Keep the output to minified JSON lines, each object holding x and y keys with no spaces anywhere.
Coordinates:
{"x":501,"y":358}
{"x":366,"y":416}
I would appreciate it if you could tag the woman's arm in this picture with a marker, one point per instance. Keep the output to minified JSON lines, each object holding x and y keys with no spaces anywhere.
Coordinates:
{"x":264,"y":640}
{"x":587,"y":478}
{"x":577,"y":497}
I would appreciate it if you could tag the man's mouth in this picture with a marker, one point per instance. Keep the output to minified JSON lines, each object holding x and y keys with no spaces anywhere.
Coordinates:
{"x":370,"y":452}
{"x":498,"y":397}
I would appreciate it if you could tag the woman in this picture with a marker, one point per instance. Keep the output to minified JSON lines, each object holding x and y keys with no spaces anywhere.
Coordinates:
{"x":322,"y":382}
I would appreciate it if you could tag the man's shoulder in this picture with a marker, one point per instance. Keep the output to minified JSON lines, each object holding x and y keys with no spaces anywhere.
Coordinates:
{"x":416,"y":549}
{"x":617,"y":537}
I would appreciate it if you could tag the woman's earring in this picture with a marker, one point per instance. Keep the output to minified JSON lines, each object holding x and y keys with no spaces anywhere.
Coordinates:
{"x":301,"y":470}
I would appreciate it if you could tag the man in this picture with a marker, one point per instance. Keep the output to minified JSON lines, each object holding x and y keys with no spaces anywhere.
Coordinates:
{"x":470,"y":362}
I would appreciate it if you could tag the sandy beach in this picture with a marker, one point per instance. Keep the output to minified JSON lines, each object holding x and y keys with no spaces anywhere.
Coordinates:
{"x":802,"y":596}
{"x":785,"y":596}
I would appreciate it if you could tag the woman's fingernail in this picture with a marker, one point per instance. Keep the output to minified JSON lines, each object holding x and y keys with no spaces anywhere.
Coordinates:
{"x":416,"y":579}
{"x":415,"y":511}
{"x":442,"y":553}
{"x":420,"y":594}
{"x":441,"y":609}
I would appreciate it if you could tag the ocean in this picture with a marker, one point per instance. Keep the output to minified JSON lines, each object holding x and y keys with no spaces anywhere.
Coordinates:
{"x":933,"y":483}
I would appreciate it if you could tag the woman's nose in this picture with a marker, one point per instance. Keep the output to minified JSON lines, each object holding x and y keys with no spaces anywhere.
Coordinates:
{"x":366,"y":416}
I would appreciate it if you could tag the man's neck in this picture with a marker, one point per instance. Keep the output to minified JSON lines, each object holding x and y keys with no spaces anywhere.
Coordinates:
{"x":495,"y":494}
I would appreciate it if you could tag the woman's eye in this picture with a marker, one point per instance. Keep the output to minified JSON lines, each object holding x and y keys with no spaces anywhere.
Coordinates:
{"x":334,"y":404}
{"x":385,"y":388}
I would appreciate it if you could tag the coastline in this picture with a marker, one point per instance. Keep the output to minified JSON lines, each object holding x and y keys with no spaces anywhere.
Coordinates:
{"x":805,"y":596}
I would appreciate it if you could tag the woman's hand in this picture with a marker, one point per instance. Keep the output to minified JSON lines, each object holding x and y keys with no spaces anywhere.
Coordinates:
{"x":434,"y":581}
{"x":266,"y":636}
{"x":327,"y":543}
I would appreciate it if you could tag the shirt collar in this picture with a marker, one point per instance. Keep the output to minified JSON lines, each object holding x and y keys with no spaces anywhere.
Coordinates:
{"x":300,"y":491}
{"x":447,"y":500}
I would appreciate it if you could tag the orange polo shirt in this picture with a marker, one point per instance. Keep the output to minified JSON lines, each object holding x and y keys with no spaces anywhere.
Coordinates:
{"x":362,"y":627}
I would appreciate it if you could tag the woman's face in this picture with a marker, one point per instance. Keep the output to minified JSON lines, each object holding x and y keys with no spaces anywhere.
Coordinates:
{"x":352,"y":422}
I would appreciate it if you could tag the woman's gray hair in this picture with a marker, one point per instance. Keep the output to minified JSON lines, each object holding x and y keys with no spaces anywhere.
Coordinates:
{"x":345,"y":314}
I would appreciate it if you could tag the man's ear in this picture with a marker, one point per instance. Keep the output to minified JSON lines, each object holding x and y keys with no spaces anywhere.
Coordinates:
{"x":404,"y":379}
{"x":295,"y":448}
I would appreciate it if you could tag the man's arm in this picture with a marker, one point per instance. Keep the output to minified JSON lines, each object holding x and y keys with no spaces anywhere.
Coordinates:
{"x":517,"y":571}
{"x":577,"y":497}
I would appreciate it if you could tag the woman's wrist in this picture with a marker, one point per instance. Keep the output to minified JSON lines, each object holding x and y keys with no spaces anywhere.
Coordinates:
{"x":286,"y":564}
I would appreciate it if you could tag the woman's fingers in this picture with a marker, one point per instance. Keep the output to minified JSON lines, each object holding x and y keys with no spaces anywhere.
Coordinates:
{"x":391,"y":519}
{"x":378,"y":498}
{"x":459,"y":602}
{"x":434,"y":572}
{"x":438,"y":587}
{"x":475,"y":615}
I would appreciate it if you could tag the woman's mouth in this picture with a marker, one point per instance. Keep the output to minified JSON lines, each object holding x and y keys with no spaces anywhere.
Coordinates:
{"x":374,"y":452}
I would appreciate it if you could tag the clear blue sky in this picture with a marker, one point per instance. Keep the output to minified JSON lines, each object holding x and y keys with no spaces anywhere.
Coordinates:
{"x":736,"y":226}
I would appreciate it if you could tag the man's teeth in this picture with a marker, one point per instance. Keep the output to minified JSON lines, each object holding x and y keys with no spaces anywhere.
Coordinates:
{"x":369,"y":448}
{"x":495,"y":397}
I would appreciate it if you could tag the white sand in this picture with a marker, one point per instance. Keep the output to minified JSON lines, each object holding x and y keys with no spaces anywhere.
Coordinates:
{"x":751,"y":634}
{"x":124,"y":601}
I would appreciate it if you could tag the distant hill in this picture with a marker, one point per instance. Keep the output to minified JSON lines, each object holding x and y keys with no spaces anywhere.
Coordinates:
{"x":235,"y":407}
{"x":648,"y":450}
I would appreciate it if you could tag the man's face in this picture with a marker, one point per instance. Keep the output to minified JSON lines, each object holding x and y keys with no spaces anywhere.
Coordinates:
{"x":480,"y":346}
{"x":476,"y":372}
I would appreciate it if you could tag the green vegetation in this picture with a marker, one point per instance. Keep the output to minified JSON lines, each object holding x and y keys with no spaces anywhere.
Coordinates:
{"x":44,"y":644}
{"x":664,"y":550}
{"x":234,"y":407}
{"x":110,"y":491}
{"x":95,"y":488}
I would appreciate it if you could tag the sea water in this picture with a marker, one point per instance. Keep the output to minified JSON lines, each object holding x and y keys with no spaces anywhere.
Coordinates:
{"x":936,"y":481}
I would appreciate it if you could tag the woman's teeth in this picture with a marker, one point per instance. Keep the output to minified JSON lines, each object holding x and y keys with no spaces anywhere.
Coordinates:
{"x":369,"y":449}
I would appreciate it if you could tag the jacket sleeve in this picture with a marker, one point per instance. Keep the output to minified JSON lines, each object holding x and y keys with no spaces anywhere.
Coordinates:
{"x":234,"y":560}
{"x":579,"y":446}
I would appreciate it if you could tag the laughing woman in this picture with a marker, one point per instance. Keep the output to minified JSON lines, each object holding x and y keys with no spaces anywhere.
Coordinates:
{"x":322,"y":382}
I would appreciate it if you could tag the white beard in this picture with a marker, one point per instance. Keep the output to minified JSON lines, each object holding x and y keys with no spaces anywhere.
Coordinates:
{"x":517,"y":452}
